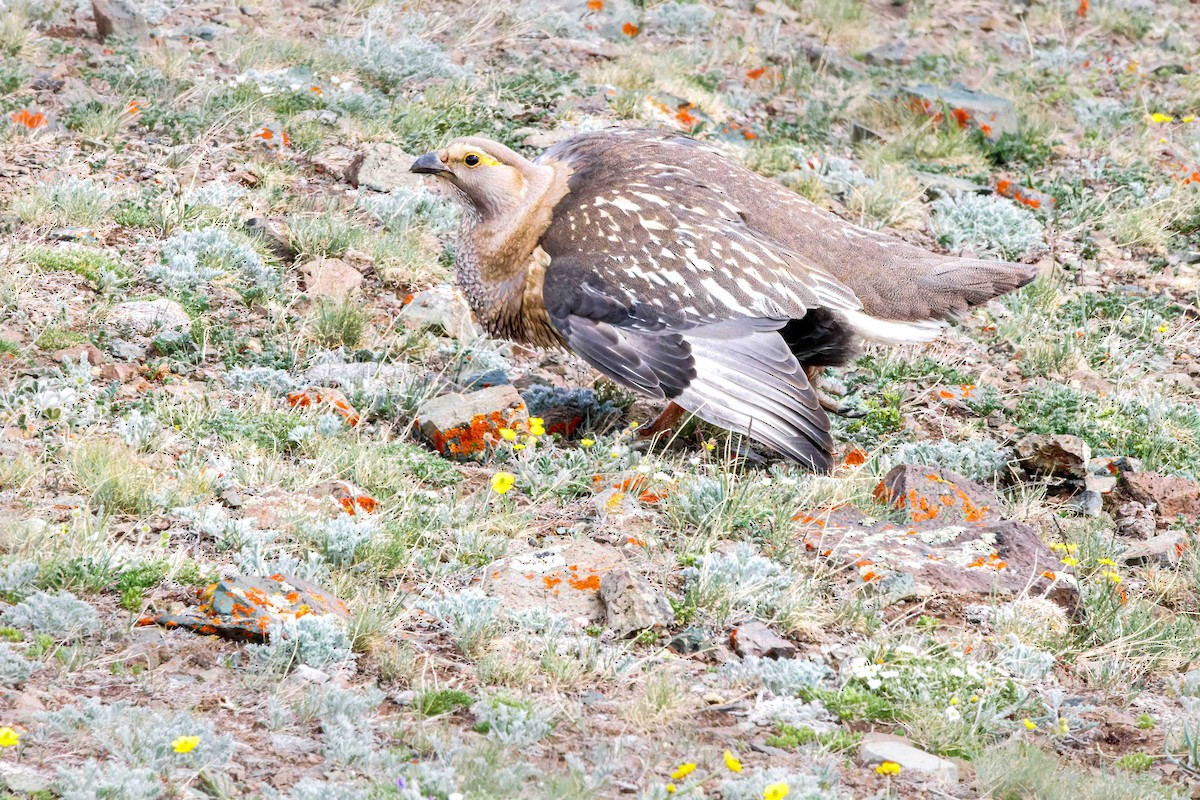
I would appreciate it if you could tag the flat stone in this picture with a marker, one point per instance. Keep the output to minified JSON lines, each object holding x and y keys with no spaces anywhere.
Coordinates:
{"x":953,"y":542}
{"x":384,"y":168}
{"x":1163,"y":550}
{"x":242,"y":607}
{"x":150,"y":317}
{"x":1058,"y":455}
{"x":466,"y":427}
{"x":995,"y":116}
{"x":754,"y":639}
{"x":126,"y":351}
{"x":441,"y":310}
{"x":561,"y":579}
{"x":631,"y":604}
{"x":877,"y":748}
{"x":330,"y":278}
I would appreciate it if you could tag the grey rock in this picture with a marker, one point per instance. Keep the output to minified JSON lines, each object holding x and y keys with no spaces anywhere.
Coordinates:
{"x":126,"y":351}
{"x":384,"y":168}
{"x":149,"y":317}
{"x":1164,"y":550}
{"x":120,"y":18}
{"x":1057,"y":455}
{"x":877,"y":748}
{"x":757,"y":640}
{"x":442,"y":310}
{"x":23,"y":780}
{"x":631,"y":604}
{"x":897,"y":52}
{"x":330,"y":278}
{"x":995,"y":115}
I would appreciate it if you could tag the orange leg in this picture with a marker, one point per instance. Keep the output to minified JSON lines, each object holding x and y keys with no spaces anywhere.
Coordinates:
{"x":666,"y":421}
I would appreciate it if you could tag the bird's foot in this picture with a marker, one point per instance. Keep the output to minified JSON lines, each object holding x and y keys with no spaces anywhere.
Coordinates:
{"x":665,"y":422}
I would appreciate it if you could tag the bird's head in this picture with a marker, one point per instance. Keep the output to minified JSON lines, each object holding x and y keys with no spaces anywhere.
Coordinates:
{"x":491,"y":177}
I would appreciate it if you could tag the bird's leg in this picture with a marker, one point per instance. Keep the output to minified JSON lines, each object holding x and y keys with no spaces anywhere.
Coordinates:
{"x":666,"y":421}
{"x":828,"y":403}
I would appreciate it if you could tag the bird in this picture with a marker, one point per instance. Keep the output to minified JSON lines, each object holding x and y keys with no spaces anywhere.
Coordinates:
{"x":684,"y":276}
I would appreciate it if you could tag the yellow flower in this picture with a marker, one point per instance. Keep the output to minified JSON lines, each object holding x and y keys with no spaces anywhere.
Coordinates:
{"x":185,"y":744}
{"x":1112,"y":576}
{"x":1161,"y":118}
{"x":670,"y":788}
{"x":888,"y":768}
{"x":683,"y":771}
{"x":1063,"y":727}
{"x":732,"y":762}
{"x":502,"y":482}
{"x":537,"y":426}
{"x":1162,"y":329}
{"x":775,"y":791}
{"x":1189,"y":118}
{"x":1070,"y":561}
{"x":1106,"y":562}
{"x":508,"y":434}
{"x":9,"y":737}
{"x":953,"y":701}
{"x":518,"y":447}
{"x":1030,"y":725}
{"x":587,"y":442}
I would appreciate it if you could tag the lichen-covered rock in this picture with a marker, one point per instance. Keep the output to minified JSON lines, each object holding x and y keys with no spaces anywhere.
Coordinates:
{"x":995,"y":116}
{"x":954,"y":541}
{"x":560,"y":579}
{"x":931,"y":494}
{"x":244,"y":606}
{"x":466,"y":427}
{"x":631,"y":604}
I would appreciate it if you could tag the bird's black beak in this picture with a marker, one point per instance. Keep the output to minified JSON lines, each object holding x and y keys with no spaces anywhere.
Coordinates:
{"x":429,"y":164}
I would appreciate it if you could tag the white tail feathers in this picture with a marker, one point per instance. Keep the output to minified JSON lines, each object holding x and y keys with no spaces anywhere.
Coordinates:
{"x":891,"y":331}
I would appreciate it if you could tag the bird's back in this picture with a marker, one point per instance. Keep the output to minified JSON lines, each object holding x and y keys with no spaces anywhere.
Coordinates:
{"x":891,"y":278}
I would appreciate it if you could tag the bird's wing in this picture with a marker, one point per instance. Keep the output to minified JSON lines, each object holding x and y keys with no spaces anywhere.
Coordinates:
{"x":655,"y":279}
{"x":664,"y":249}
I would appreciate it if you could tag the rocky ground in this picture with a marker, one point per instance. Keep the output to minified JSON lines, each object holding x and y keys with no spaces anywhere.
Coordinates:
{"x":277,"y":522}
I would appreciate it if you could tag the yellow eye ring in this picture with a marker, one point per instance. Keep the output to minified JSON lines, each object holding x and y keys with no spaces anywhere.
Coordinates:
{"x":472,"y":160}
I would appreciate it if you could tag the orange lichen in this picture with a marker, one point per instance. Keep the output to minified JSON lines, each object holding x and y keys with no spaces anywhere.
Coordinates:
{"x":856,"y":457}
{"x":551,"y":581}
{"x":589,"y":584}
{"x":630,"y":30}
{"x":29,"y":119}
{"x":755,"y":74}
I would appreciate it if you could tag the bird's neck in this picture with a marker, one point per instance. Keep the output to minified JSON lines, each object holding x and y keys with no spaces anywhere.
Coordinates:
{"x":497,"y":267}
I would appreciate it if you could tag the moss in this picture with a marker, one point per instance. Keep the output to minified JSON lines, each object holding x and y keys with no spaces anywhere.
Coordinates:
{"x":443,"y":701}
{"x":57,"y":339}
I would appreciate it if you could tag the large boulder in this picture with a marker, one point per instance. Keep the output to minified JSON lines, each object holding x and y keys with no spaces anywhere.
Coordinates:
{"x":1169,"y":497}
{"x":951,"y":540}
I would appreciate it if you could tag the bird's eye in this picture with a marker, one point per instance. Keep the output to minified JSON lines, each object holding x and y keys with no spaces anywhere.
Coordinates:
{"x":471,"y":160}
